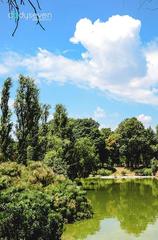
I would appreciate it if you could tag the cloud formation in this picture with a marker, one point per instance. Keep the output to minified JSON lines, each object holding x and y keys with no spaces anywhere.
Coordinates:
{"x":99,"y":113}
{"x":145,"y":119}
{"x":115,"y":61}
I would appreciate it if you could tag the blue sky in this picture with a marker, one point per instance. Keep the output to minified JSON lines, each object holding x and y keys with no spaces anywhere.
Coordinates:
{"x":105,"y":69}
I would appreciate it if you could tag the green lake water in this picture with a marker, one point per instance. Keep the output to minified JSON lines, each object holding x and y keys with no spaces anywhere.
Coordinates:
{"x":126,"y":210}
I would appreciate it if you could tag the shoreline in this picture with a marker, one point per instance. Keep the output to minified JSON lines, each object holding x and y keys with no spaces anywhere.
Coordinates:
{"x":123,"y":177}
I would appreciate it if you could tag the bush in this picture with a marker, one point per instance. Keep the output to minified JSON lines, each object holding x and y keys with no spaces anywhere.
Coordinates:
{"x":29,"y":215}
{"x":154,"y":165}
{"x":40,"y":173}
{"x":39,"y":210}
{"x":139,"y":172}
{"x":147,"y":172}
{"x":104,"y":172}
{"x":111,"y":168}
{"x":144,"y":172}
{"x":4,"y":182}
{"x":11,"y":169}
{"x":70,"y":201}
{"x":54,"y":159}
{"x":2,"y":159}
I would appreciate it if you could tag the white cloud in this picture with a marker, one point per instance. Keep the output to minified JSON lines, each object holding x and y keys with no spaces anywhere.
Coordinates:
{"x":99,"y":113}
{"x":11,"y":103}
{"x":145,"y":119}
{"x":115,"y":61}
{"x":50,"y":117}
{"x":3,"y":69}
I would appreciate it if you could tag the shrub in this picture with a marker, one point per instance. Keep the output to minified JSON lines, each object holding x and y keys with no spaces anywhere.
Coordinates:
{"x":144,"y":172}
{"x":1,"y":157}
{"x":104,"y":172}
{"x":70,"y":201}
{"x":139,"y":172}
{"x":54,"y":159}
{"x":29,"y":215}
{"x":40,"y":173}
{"x":39,"y":210}
{"x":154,"y":165}
{"x":111,"y":168}
{"x":11,"y":169}
{"x":147,"y":171}
{"x":4,"y":182}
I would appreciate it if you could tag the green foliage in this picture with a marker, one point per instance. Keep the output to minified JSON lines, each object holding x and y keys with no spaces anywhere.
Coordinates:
{"x":37,"y":196}
{"x":35,"y":202}
{"x":89,"y":128}
{"x":104,"y":172}
{"x":5,"y":123}
{"x":43,"y":131}
{"x":4,"y":182}
{"x":29,"y":215}
{"x":132,"y":141}
{"x":109,"y":167}
{"x":41,"y":174}
{"x":106,"y":132}
{"x":112,"y":148}
{"x":11,"y":169}
{"x":60,"y":121}
{"x":147,"y":172}
{"x":70,"y":201}
{"x":55,"y":157}
{"x":28,"y":113}
{"x":144,"y":172}
{"x":29,"y":153}
{"x":85,"y":158}
{"x":154,"y":165}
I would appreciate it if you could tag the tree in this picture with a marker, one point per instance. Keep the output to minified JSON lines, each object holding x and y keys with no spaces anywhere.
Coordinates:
{"x":60,"y":121}
{"x":88,"y":127}
{"x":5,"y":121}
{"x":132,"y":139}
{"x":105,"y":132}
{"x":15,"y":6}
{"x":44,"y":128}
{"x":28,"y":113}
{"x":60,"y":142}
{"x":55,"y":155}
{"x":112,"y":149}
{"x":149,"y":149}
{"x":85,"y":159}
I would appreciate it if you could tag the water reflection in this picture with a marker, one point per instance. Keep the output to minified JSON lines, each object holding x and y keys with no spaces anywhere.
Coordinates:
{"x":127,"y":210}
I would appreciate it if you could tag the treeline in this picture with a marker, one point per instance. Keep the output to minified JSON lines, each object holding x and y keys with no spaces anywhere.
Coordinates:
{"x":72,"y":147}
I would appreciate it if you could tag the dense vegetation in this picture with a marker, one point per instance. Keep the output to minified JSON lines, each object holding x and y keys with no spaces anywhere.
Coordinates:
{"x":35,"y":202}
{"x":40,"y":158}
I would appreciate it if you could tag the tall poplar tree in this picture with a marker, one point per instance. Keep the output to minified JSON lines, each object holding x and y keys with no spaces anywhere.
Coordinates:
{"x":28,"y":113}
{"x":60,"y":121}
{"x":5,"y":122}
{"x":43,"y":136}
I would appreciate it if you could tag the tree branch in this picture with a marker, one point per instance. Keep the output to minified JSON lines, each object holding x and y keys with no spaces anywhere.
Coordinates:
{"x":14,"y":8}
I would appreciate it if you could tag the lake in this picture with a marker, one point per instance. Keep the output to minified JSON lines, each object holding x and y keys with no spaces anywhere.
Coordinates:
{"x":123,"y":210}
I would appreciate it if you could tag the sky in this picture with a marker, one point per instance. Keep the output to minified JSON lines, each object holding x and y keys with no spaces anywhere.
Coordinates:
{"x":98,"y":58}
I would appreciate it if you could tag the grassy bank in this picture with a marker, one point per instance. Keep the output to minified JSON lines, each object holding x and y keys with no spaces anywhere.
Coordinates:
{"x":94,"y":183}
